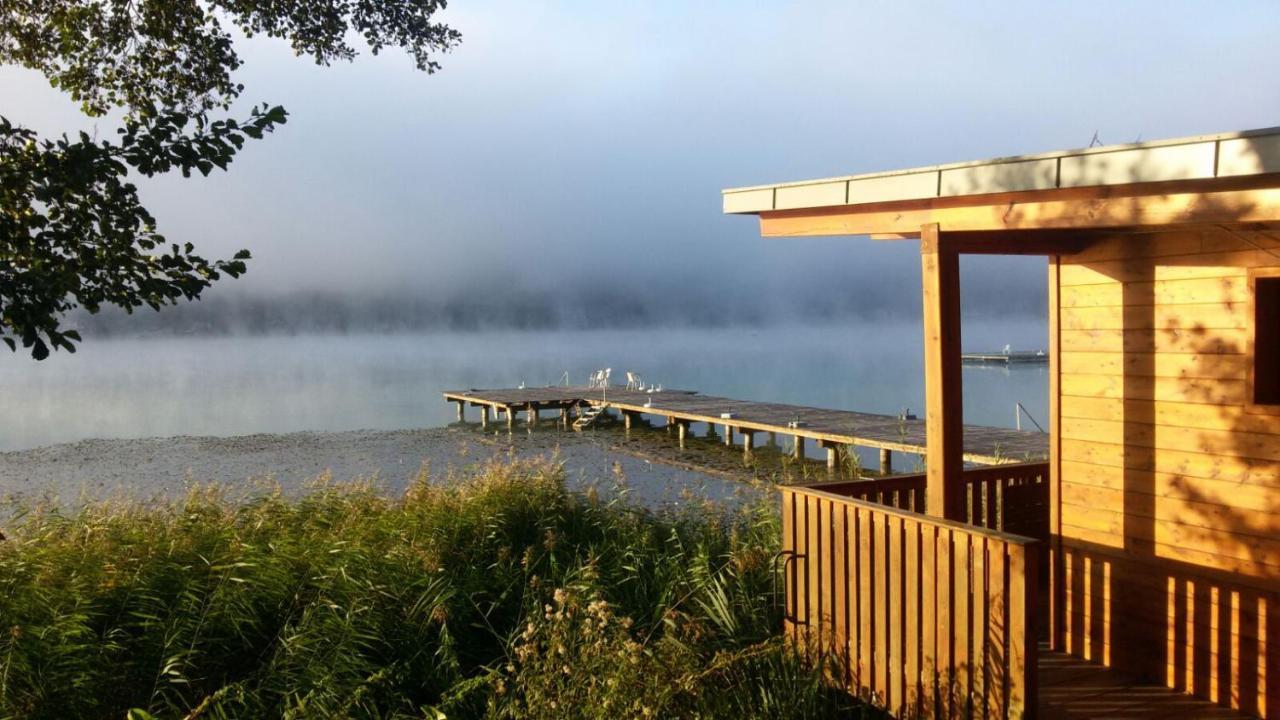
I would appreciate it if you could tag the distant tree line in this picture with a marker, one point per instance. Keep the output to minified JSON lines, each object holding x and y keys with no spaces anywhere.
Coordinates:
{"x":583,"y":308}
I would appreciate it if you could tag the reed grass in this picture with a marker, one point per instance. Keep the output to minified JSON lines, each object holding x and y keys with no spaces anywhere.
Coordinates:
{"x":498,"y":595}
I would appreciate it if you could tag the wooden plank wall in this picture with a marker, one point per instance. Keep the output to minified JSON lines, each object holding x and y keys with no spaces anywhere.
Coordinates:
{"x":1169,"y":496}
{"x":918,"y":615}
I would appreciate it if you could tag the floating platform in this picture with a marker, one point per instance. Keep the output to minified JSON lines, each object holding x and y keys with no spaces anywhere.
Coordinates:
{"x":1017,"y":357}
{"x":831,"y":429}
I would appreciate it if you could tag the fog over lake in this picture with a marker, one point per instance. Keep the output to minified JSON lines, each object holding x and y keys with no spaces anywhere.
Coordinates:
{"x":236,"y":385}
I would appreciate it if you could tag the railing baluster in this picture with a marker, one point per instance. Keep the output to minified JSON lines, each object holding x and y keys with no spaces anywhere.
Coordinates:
{"x":881,"y":555}
{"x":911,"y":647}
{"x":929,"y":593}
{"x":978,"y":639}
{"x":998,"y":633}
{"x":897,"y":660}
{"x":866,"y":600}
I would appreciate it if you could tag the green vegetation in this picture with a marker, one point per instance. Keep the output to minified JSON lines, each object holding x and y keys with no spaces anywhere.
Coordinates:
{"x":73,"y":229}
{"x":499,"y":595}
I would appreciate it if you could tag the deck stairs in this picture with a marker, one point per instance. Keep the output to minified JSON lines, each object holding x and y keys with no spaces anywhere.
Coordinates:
{"x":589,"y":416}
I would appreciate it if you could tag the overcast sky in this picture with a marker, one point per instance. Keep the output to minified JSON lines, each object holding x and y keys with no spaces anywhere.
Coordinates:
{"x":591,"y":139}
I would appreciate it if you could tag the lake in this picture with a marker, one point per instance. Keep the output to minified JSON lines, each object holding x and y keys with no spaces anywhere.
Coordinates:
{"x":224,"y":386}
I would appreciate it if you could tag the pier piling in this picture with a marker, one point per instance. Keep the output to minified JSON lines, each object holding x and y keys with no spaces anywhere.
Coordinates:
{"x":834,"y":430}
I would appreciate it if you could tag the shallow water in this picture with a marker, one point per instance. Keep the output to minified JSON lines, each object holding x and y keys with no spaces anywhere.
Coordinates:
{"x":137,"y":388}
{"x":163,"y":468}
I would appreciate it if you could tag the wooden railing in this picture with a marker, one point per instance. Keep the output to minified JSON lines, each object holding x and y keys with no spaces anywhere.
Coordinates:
{"x":905,"y":492}
{"x":1012,"y":498}
{"x":921,"y":616}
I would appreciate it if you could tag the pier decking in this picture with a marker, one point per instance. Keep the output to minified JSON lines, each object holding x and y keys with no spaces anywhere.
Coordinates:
{"x":1016,"y":357}
{"x":831,"y":429}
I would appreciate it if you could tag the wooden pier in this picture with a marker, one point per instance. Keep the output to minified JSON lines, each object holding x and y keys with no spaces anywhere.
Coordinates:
{"x":830,"y":429}
{"x":1016,"y":357}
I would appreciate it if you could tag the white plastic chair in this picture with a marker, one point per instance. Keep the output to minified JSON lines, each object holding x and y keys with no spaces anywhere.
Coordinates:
{"x":634,"y":382}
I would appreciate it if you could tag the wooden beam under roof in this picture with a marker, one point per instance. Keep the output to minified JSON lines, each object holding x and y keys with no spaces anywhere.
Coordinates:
{"x":1015,"y":242}
{"x":1097,"y":208}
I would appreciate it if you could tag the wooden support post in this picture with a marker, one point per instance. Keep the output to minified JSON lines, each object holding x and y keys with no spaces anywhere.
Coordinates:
{"x":564,"y":416}
{"x":626,"y":419}
{"x":728,"y":435}
{"x":462,"y":411}
{"x":511,"y":417}
{"x":748,"y":438}
{"x":484,"y":416}
{"x":533,"y":414}
{"x":797,"y":448}
{"x":886,"y":461}
{"x":773,"y":439}
{"x":944,"y":412}
{"x":833,"y":455}
{"x":683,"y":428}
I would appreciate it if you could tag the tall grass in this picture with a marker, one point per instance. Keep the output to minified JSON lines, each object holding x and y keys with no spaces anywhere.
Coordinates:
{"x":502,"y":596}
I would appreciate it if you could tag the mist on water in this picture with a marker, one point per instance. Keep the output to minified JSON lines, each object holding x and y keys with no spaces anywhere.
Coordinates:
{"x":835,"y":288}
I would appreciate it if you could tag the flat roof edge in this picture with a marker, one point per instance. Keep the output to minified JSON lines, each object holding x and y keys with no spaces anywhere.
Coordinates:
{"x":1185,"y":158}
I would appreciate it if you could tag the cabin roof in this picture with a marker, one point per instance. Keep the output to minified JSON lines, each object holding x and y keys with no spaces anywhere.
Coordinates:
{"x":1201,"y":157}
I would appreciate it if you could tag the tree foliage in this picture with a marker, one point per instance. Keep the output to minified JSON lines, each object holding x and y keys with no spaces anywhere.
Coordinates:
{"x":73,"y":231}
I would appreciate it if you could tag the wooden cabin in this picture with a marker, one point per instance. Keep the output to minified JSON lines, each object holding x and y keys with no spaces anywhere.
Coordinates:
{"x":1151,"y":565}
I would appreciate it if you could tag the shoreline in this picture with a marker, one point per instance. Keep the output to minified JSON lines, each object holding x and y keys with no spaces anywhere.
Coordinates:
{"x":164,"y":467}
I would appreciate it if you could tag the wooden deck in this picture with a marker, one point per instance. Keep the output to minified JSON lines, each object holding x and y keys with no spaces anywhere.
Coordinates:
{"x":1073,"y":689}
{"x":982,"y":445}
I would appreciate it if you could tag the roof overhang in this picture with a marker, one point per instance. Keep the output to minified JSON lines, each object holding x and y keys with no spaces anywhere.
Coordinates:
{"x":1231,"y":179}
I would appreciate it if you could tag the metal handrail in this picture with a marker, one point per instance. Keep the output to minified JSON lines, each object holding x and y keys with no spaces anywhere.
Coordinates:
{"x":1018,"y":411}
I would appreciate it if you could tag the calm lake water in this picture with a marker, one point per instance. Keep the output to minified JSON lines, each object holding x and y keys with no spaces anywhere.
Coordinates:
{"x":132,"y":388}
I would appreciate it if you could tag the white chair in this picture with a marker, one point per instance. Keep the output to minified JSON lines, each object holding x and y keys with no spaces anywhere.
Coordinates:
{"x":634,"y":382}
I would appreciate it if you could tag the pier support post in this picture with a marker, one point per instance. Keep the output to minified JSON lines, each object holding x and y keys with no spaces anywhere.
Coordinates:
{"x":683,"y":429}
{"x":462,"y":411}
{"x":797,"y":448}
{"x":773,"y":439}
{"x":511,"y":417}
{"x":886,"y":461}
{"x":564,"y":416}
{"x":833,"y":454}
{"x":484,"y":416}
{"x":728,"y":435}
{"x":748,"y":439}
{"x":944,"y":396}
{"x":532,"y":417}
{"x":626,"y":419}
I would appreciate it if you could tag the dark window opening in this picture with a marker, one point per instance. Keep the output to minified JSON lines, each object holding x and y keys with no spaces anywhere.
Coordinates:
{"x":1266,"y":341}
